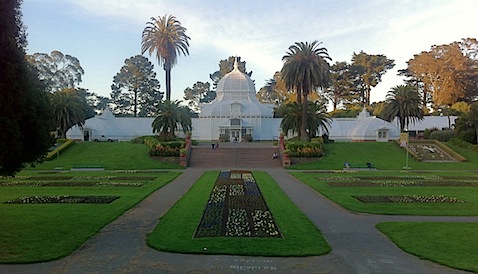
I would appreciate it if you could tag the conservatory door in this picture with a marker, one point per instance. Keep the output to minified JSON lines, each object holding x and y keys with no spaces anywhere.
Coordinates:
{"x":235,"y":135}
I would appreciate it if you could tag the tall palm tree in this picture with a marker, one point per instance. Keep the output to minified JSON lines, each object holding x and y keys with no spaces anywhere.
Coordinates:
{"x":317,"y":118}
{"x":165,"y":36}
{"x":305,"y":69}
{"x":171,"y":115}
{"x":68,"y":110}
{"x":403,"y":102}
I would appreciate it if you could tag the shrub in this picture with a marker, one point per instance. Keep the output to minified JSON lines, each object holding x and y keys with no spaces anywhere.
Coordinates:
{"x":223,"y":138}
{"x":426,"y":133}
{"x":164,"y":151}
{"x":150,"y":141}
{"x":247,"y":138}
{"x":442,"y":135}
{"x":305,"y":149}
{"x":317,"y":140}
{"x":138,"y":140}
{"x":166,"y":137}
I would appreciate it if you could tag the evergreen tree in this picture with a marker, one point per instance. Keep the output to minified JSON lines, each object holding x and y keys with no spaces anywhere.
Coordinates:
{"x":25,"y":119}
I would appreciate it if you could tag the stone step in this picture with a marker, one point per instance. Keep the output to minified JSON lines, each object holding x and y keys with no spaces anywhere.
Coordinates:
{"x":233,"y":157}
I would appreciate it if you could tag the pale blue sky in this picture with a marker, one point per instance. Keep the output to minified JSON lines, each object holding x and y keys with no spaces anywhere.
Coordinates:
{"x":103,"y":33}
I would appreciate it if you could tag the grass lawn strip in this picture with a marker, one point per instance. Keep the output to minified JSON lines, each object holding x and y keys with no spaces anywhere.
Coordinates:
{"x":112,"y":156}
{"x":451,"y":244}
{"x":31,"y":233}
{"x":176,"y":228}
{"x":393,"y":159}
{"x":344,"y":196}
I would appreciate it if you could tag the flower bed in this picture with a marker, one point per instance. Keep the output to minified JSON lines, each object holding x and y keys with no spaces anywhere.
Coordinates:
{"x":66,"y":178}
{"x":63,"y":199}
{"x":381,"y":183}
{"x":407,"y":199}
{"x":75,"y":181}
{"x":70,"y":184}
{"x":236,"y":208}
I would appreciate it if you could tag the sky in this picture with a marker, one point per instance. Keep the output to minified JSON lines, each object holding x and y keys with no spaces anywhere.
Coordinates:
{"x":103,"y":34}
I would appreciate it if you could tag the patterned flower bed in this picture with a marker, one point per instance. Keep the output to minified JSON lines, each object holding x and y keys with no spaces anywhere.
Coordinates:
{"x":236,"y":208}
{"x":407,"y":199}
{"x":429,"y":152}
{"x":63,"y":199}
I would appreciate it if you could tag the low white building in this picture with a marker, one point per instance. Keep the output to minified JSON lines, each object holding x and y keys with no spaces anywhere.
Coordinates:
{"x":107,"y":127}
{"x":363,"y":128}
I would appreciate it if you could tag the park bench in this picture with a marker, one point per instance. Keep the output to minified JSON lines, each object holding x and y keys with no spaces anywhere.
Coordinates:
{"x":361,"y":166}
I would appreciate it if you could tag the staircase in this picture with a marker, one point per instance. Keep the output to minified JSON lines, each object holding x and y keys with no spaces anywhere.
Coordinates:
{"x":231,"y":155}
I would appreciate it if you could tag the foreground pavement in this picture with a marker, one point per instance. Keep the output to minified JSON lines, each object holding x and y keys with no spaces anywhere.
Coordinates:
{"x":357,"y":246}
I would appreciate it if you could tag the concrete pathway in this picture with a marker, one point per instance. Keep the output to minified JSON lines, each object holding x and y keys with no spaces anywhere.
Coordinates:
{"x":357,"y":246}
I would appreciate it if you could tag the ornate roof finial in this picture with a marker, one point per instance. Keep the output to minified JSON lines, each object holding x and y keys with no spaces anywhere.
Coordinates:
{"x":236,"y":66}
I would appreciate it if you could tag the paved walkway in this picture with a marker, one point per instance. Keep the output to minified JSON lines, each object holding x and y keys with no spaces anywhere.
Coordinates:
{"x":357,"y":246}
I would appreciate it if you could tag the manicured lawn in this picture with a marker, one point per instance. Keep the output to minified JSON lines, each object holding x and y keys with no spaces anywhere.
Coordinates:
{"x":344,"y":195}
{"x":384,"y":156}
{"x":176,"y":229}
{"x":451,"y":244}
{"x":42,"y":232}
{"x":116,"y":155}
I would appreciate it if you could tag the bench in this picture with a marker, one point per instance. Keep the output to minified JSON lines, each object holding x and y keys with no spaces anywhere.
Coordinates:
{"x":361,"y":166}
{"x":87,"y":167}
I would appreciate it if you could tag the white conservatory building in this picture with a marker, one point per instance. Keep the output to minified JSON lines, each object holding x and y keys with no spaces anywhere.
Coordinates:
{"x":363,"y":128}
{"x":235,"y":113}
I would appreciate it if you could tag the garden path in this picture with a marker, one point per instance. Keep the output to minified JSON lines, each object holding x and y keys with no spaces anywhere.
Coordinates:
{"x":357,"y":246}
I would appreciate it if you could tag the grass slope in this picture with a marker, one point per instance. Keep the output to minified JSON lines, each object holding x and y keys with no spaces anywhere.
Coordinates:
{"x":41,"y":232}
{"x":116,"y":155}
{"x":385,"y":156}
{"x":451,"y":244}
{"x":175,"y":231}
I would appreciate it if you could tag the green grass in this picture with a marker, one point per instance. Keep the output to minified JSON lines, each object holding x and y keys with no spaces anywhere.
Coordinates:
{"x":343,"y":195}
{"x":451,"y":244}
{"x":384,"y":156}
{"x":176,"y":229}
{"x":41,"y":232}
{"x":116,"y":155}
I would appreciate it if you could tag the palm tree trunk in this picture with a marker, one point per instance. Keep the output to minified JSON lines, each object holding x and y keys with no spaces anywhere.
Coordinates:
{"x":304,"y":136}
{"x":167,"y":69}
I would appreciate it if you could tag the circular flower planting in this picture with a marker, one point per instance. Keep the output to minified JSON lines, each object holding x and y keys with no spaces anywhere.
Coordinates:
{"x":236,"y":208}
